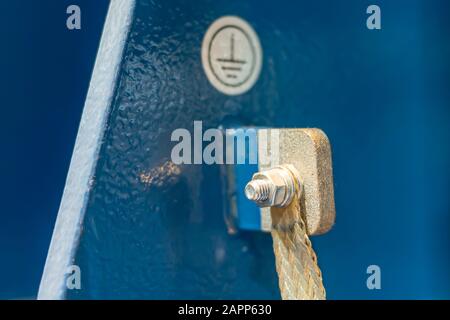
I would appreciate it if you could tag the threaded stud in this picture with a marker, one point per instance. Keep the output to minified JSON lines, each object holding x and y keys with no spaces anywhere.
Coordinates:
{"x":257,"y":190}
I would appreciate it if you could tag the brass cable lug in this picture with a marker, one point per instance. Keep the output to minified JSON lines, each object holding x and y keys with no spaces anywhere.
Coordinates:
{"x":299,"y":197}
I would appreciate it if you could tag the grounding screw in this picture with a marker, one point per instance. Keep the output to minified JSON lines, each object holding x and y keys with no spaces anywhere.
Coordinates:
{"x":274,"y":187}
{"x":258,"y":190}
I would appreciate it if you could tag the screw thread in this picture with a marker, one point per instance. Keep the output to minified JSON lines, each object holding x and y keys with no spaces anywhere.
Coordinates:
{"x":257,"y":190}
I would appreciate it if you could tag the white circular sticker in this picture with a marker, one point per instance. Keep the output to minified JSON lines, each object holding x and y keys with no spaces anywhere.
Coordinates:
{"x":231,"y":55}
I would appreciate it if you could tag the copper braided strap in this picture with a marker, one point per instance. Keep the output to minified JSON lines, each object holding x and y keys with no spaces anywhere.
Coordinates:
{"x":299,"y":275}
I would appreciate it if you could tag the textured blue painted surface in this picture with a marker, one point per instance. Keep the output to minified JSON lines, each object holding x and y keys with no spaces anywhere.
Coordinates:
{"x":381,"y":96}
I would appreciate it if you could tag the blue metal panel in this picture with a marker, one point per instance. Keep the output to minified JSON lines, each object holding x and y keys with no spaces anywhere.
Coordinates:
{"x":248,"y":213}
{"x":45,"y":74}
{"x":241,"y":213}
{"x":381,"y":96}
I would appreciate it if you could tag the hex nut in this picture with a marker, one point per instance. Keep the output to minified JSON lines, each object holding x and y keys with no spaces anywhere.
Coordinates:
{"x":281,"y":186}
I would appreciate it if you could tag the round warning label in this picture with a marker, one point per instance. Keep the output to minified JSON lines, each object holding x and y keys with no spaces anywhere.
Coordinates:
{"x":231,"y":55}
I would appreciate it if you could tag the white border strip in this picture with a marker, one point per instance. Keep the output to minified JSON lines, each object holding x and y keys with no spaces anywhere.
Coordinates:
{"x":86,"y":151}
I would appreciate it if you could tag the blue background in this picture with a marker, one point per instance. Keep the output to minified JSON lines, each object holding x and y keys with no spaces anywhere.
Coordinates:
{"x":44,"y":80}
{"x":382,"y":97}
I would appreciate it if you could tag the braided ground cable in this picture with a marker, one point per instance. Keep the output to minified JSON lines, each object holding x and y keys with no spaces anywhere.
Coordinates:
{"x":299,"y":275}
